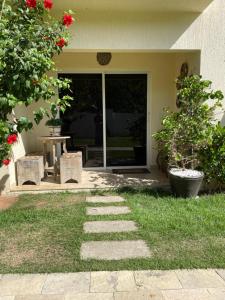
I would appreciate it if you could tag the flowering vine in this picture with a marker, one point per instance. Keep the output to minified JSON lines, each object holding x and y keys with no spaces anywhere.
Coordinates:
{"x":29,"y":38}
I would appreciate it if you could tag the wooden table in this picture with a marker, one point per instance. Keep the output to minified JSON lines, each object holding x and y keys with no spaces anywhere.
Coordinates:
{"x":53,"y":141}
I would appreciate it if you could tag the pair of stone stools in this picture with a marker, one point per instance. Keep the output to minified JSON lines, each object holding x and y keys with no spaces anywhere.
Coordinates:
{"x":31,"y":168}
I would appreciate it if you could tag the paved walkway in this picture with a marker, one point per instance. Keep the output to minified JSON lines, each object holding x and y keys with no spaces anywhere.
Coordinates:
{"x":122,"y":285}
{"x":111,"y":250}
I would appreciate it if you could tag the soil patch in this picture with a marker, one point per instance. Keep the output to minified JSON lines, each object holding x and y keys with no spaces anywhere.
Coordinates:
{"x":7,"y":201}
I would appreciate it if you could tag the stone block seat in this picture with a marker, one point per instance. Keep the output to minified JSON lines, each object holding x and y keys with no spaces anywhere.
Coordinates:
{"x":30,"y":169}
{"x":71,"y":167}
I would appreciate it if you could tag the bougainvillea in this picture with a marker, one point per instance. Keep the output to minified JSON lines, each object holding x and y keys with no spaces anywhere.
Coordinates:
{"x":29,"y":38}
{"x":31,"y":3}
{"x":67,"y":20}
{"x":61,"y":42}
{"x":48,"y":4}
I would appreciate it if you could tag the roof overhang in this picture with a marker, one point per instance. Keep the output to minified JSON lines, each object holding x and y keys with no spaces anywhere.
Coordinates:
{"x":134,"y":5}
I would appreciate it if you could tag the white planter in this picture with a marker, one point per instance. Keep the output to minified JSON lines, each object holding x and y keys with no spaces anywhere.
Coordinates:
{"x":55,"y":130}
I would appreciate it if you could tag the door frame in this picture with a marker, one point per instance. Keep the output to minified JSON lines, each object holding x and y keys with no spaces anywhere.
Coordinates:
{"x":148,"y":125}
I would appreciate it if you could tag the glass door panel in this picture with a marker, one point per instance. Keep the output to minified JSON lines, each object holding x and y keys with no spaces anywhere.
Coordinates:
{"x":83,"y":121}
{"x":126,"y":119}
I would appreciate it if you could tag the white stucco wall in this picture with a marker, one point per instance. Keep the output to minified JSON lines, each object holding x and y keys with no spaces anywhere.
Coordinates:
{"x":144,"y":31}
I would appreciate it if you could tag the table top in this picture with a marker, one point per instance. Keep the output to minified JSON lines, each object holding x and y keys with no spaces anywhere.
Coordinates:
{"x":53,"y":138}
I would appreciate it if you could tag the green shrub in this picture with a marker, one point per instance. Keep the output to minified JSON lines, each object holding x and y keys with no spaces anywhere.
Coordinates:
{"x":30,"y":37}
{"x":212,"y":159}
{"x":188,"y":130}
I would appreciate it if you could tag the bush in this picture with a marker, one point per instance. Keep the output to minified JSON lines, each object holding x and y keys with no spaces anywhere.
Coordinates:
{"x":212,"y":159}
{"x":188,"y":130}
{"x":29,"y":39}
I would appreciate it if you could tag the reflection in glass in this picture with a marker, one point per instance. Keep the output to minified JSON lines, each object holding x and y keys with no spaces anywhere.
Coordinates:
{"x":126,"y":119}
{"x":83,"y":121}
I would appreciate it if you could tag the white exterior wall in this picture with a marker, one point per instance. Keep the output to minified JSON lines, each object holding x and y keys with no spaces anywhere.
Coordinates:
{"x":145,"y":31}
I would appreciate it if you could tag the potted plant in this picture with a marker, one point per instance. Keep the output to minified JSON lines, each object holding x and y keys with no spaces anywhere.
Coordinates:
{"x":54,"y":122}
{"x":186,"y":131}
{"x":54,"y":126}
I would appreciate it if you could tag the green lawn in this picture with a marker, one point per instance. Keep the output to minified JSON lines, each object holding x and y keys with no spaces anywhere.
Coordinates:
{"x":43,"y":233}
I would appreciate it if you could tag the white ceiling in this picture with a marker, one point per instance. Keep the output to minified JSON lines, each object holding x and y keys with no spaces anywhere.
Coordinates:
{"x":134,"y":5}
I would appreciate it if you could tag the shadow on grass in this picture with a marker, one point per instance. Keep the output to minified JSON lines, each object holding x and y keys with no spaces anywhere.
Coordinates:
{"x":154,"y":192}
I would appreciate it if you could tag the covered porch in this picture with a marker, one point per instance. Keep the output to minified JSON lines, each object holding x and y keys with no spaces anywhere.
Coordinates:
{"x":99,"y":180}
{"x":113,"y":146}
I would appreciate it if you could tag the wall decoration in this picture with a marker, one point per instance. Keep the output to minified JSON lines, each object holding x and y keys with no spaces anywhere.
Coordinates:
{"x":104,"y":58}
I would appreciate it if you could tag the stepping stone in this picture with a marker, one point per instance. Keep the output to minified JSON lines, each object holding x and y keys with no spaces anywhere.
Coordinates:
{"x":114,"y":250}
{"x":104,"y":199}
{"x":109,"y":226}
{"x":107,"y":210}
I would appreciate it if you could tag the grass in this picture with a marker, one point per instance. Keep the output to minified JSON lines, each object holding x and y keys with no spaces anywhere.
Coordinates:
{"x":43,"y":233}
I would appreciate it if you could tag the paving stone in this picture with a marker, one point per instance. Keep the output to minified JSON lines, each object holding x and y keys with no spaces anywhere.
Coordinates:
{"x":109,"y":226}
{"x":157,"y":280}
{"x":186,"y":294}
{"x":41,"y":297}
{"x":192,"y":279}
{"x":67,"y":283}
{"x":112,"y":281}
{"x":218,"y":294}
{"x":90,"y":296}
{"x":104,"y":199}
{"x":221,"y":273}
{"x":141,"y":295}
{"x":31,"y":284}
{"x":107,"y":210}
{"x":114,"y":250}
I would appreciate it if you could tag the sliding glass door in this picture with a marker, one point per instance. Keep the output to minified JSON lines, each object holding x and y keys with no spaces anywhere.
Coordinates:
{"x":126,"y":119}
{"x":83,"y":121}
{"x":107,"y":120}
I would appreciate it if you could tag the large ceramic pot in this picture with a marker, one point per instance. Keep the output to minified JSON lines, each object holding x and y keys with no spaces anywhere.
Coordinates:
{"x":185,"y":183}
{"x":55,"y":130}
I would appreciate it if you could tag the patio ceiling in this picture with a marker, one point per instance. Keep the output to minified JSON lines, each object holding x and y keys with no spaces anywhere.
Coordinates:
{"x":135,"y":5}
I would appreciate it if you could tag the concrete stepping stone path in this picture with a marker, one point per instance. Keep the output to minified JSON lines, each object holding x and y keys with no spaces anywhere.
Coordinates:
{"x":107,"y":210}
{"x":111,"y":250}
{"x":109,"y":226}
{"x":114,"y":250}
{"x":104,"y":199}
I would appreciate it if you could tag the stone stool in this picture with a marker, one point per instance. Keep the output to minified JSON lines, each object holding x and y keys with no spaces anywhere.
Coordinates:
{"x":70,"y":167}
{"x":30,"y":168}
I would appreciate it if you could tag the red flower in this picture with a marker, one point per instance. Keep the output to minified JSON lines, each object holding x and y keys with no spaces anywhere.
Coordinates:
{"x":48,"y":4}
{"x":67,"y":20}
{"x":31,"y":3}
{"x":61,"y":43}
{"x":12,"y":138}
{"x":6,"y":162}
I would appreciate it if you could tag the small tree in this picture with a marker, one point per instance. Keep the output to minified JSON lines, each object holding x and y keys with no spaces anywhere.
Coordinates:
{"x":29,"y":38}
{"x":186,"y":131}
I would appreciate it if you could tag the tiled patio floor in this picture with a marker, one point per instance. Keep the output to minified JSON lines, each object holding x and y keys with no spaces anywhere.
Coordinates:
{"x":121,"y":285}
{"x":100,"y":180}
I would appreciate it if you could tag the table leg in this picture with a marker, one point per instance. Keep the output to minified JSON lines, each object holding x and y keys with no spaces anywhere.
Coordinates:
{"x":45,"y":157}
{"x":54,"y":160}
{"x":64,"y":147}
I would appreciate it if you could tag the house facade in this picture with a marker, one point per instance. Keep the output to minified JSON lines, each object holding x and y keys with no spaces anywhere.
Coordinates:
{"x":121,"y":92}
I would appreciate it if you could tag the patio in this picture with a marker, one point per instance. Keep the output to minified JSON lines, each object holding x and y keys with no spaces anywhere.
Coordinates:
{"x":94,"y":179}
